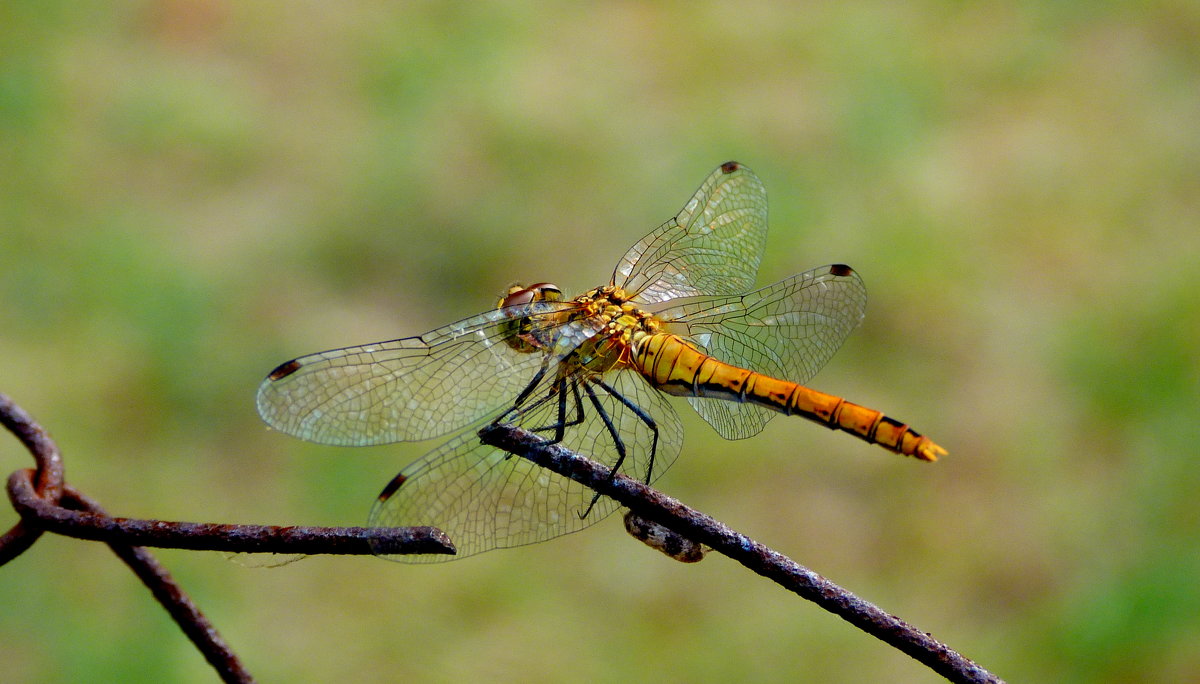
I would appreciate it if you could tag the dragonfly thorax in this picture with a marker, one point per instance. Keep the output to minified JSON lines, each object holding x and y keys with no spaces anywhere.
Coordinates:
{"x":619,"y":324}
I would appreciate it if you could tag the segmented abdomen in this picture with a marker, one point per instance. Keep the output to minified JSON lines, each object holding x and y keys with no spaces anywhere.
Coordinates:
{"x":674,"y":366}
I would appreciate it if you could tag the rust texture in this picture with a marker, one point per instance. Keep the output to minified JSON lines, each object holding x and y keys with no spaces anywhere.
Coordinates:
{"x":89,"y":524}
{"x":47,"y":478}
{"x":47,"y":504}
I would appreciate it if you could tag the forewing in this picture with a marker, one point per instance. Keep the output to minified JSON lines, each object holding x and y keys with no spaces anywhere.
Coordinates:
{"x":712,"y":247}
{"x":410,"y":389}
{"x":788,"y":330}
{"x":484,"y":498}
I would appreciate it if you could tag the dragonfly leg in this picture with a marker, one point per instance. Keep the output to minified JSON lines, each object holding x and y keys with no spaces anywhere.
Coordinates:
{"x":561,"y":424}
{"x":617,"y":442}
{"x":644,"y":417}
{"x":537,"y":378}
{"x":516,"y":408}
{"x":557,"y":426}
{"x":562,"y":412}
{"x":612,"y":431}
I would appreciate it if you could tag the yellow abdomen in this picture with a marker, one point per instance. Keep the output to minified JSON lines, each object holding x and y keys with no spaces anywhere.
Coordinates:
{"x":674,"y":366}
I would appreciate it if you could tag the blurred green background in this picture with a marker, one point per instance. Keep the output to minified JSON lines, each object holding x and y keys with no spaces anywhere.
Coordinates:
{"x":193,"y":192}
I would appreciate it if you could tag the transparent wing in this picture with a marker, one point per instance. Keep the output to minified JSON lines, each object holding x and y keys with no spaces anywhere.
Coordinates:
{"x":788,"y":330}
{"x":712,"y":247}
{"x":410,"y":389}
{"x":484,"y":498}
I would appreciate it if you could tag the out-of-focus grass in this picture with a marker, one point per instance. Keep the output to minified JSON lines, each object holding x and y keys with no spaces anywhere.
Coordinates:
{"x":192,"y":192}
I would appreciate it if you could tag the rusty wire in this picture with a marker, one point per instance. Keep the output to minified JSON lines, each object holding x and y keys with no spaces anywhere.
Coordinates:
{"x":674,"y":515}
{"x":171,"y":596}
{"x":47,"y":480}
{"x":87,"y":523}
{"x":47,"y":504}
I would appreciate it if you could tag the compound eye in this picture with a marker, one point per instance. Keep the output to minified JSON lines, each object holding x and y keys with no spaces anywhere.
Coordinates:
{"x":546,"y":292}
{"x":517,"y":296}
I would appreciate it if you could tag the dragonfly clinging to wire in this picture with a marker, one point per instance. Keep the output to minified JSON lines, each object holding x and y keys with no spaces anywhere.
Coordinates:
{"x":679,"y":317}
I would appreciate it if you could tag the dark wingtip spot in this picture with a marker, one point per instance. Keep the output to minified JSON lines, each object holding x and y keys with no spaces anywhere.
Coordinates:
{"x":392,"y":486}
{"x":730,"y":167}
{"x":840,"y":270}
{"x":284,"y":370}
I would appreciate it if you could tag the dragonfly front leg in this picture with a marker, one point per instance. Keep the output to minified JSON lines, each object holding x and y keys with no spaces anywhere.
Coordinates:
{"x":537,"y":379}
{"x":558,"y":390}
{"x":523,"y":395}
{"x":559,"y":426}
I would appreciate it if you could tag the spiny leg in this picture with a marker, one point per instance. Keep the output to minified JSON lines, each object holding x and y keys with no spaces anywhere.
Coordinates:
{"x":537,"y":378}
{"x":558,"y":426}
{"x":612,"y":431}
{"x":524,"y":394}
{"x":643,"y":416}
{"x":617,"y":442}
{"x":561,"y":424}
{"x":578,"y":419}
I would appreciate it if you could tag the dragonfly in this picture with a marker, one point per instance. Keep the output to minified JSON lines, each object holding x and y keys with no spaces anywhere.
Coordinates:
{"x":679,"y":317}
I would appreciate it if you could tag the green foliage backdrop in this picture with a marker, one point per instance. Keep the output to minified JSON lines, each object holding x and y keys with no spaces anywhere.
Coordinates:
{"x":192,"y":192}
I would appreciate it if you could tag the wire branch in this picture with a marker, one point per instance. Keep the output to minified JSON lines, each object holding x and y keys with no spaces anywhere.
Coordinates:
{"x":674,"y":515}
{"x":48,"y":478}
{"x":46,"y":503}
{"x":89,"y":524}
{"x":45,"y":483}
{"x":170,"y":595}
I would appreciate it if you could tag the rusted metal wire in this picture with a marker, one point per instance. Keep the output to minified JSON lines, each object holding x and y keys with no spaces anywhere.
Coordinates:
{"x":674,"y":515}
{"x":88,"y":524}
{"x":47,"y":504}
{"x":45,"y":484}
{"x":47,"y":478}
{"x":170,"y":595}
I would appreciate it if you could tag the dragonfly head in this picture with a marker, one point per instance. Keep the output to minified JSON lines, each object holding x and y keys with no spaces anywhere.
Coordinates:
{"x":521,"y":333}
{"x":538,"y":292}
